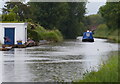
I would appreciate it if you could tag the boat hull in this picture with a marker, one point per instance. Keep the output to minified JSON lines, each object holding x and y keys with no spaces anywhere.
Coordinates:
{"x":87,"y":40}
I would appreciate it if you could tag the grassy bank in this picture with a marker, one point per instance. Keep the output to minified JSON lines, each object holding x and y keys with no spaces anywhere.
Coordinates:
{"x":37,"y":32}
{"x":108,"y":72}
{"x":104,"y":32}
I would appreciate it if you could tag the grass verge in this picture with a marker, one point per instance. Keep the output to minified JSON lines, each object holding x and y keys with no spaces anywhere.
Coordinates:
{"x":108,"y":72}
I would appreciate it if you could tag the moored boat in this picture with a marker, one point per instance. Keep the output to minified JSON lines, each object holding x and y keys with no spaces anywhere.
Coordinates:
{"x":5,"y":48}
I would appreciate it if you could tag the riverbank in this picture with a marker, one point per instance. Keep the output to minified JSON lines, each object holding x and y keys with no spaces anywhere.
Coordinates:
{"x":108,"y":72}
{"x":104,"y":32}
{"x":37,"y":33}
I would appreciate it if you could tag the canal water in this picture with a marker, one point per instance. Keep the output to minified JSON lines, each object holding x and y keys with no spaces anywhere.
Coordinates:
{"x":67,"y":61}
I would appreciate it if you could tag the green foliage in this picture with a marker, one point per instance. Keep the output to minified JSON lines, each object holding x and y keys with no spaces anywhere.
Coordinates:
{"x":39,"y":33}
{"x":108,"y":72}
{"x":20,"y":9}
{"x":104,"y":32}
{"x":36,"y":32}
{"x":94,"y":20}
{"x":52,"y":36}
{"x":48,"y":14}
{"x":33,"y":35}
{"x":63,"y":16}
{"x":66,"y":17}
{"x":10,"y":17}
{"x":82,"y":28}
{"x":111,"y":13}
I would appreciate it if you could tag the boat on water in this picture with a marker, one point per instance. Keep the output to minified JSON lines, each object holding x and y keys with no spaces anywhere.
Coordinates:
{"x":88,"y":37}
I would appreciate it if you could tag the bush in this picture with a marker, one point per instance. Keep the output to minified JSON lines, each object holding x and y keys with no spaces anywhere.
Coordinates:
{"x":53,"y":36}
{"x":33,"y":35}
{"x":59,"y":34}
{"x":39,"y":33}
{"x":103,"y":31}
{"x":10,"y":17}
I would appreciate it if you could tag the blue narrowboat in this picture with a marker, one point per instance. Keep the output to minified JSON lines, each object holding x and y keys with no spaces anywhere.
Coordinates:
{"x":87,"y":37}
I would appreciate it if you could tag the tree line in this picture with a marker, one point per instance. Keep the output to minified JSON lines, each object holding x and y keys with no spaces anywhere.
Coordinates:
{"x":67,"y":17}
{"x":107,"y":21}
{"x":111,"y":14}
{"x":107,"y":16}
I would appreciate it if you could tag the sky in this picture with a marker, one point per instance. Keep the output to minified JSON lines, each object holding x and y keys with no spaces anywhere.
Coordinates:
{"x":92,"y":6}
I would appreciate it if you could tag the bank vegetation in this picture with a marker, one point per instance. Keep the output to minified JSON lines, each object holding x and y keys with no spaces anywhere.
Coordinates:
{"x":108,"y":72}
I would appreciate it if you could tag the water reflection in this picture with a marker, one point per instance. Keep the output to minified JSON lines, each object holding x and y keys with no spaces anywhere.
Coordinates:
{"x":57,"y":62}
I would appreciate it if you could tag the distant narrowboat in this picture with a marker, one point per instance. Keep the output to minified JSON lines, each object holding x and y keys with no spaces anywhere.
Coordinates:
{"x":88,"y":37}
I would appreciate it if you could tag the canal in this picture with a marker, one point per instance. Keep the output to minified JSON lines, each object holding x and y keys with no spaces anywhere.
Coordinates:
{"x":66,"y":61}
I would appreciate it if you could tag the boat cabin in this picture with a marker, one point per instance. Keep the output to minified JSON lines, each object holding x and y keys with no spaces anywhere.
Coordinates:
{"x":88,"y":37}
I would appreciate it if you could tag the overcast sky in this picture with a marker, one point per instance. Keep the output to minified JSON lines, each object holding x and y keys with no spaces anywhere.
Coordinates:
{"x":92,"y":7}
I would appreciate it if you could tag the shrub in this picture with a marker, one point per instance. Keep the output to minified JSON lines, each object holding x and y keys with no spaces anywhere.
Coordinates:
{"x":53,"y":36}
{"x":39,"y":33}
{"x":10,"y":17}
{"x":104,"y":32}
{"x":101,"y":31}
{"x":33,"y":35}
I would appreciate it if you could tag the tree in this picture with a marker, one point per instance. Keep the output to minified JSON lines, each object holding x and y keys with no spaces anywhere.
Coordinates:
{"x":20,"y":9}
{"x":11,"y":16}
{"x":92,"y":21}
{"x":48,"y":14}
{"x":64,"y":16}
{"x":111,"y":13}
{"x":75,"y":16}
{"x":68,"y":17}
